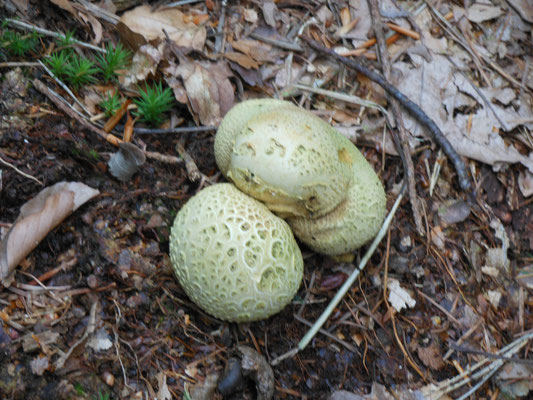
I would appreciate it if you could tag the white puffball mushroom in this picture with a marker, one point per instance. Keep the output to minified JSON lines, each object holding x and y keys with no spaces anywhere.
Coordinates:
{"x":354,"y":222}
{"x":233,"y":257}
{"x":291,"y":160}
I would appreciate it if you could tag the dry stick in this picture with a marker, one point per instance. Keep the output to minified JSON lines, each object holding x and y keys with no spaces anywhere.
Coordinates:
{"x":183,"y":129}
{"x":345,"y":287}
{"x":41,"y":87}
{"x":403,"y":139}
{"x":8,"y":164}
{"x":434,"y":131}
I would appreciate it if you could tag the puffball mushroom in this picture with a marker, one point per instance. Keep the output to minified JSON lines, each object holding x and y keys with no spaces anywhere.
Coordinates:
{"x":303,"y":170}
{"x":233,"y":257}
{"x":354,"y":221}
{"x":291,"y":160}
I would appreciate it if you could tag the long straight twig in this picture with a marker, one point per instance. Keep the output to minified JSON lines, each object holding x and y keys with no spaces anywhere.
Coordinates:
{"x":345,"y":287}
{"x":434,"y":131}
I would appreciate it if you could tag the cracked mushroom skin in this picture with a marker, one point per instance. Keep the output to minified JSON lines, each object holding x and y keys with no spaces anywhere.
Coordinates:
{"x":291,"y":160}
{"x":354,"y":222}
{"x":233,"y":257}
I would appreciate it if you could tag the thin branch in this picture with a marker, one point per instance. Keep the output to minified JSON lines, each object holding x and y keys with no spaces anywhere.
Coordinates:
{"x":403,"y":139}
{"x":20,"y":172}
{"x":345,"y":287}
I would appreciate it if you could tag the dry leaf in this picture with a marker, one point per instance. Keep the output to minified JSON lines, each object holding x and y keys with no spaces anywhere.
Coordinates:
{"x":482,"y":12}
{"x":259,"y":51}
{"x":145,"y":61}
{"x":39,"y":365}
{"x":524,"y":8}
{"x":431,"y":357}
{"x":429,"y":84}
{"x":163,"y":393}
{"x":208,"y":88}
{"x":242,"y":59}
{"x":126,"y":161}
{"x":151,"y":25}
{"x":38,"y":217}
{"x":399,"y":297}
{"x":269,"y":12}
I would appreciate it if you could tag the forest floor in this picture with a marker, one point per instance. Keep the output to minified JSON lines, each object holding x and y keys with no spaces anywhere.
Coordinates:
{"x":94,"y":310}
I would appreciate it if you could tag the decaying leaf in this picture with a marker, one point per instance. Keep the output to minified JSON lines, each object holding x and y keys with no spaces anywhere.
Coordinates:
{"x":39,"y":365}
{"x":126,"y":161}
{"x":145,"y":61}
{"x":151,"y":25}
{"x":256,"y":366}
{"x":209,"y":91}
{"x":163,"y":393}
{"x":514,"y":379}
{"x":100,"y":341}
{"x":476,"y":136}
{"x":399,"y":297}
{"x":478,"y":12}
{"x":525,"y":183}
{"x":431,"y":356}
{"x":38,"y":217}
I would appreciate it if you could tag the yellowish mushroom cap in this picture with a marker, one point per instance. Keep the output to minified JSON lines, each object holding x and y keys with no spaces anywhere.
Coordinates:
{"x":354,"y":222}
{"x":293,"y":161}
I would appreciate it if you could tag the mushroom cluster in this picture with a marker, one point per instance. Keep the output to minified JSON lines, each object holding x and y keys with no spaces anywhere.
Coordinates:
{"x":231,"y":250}
{"x":304,"y":171}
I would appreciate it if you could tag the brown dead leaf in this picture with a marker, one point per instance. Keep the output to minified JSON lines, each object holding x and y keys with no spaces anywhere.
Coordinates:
{"x":209,"y":91}
{"x":86,"y":17}
{"x":145,"y":61}
{"x":259,"y":51}
{"x":151,"y":25}
{"x":431,"y":357}
{"x":38,"y":217}
{"x":242,"y":59}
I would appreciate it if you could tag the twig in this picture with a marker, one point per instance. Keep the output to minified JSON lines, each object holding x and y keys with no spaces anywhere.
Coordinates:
{"x":65,"y":88}
{"x":187,"y":129}
{"x":91,"y":327}
{"x":326,"y":333}
{"x":19,"y":64}
{"x":192,"y":170}
{"x":41,"y":87}
{"x":345,"y":287}
{"x":403,"y":138}
{"x":434,"y":131}
{"x":277,"y":43}
{"x":26,"y":26}
{"x":491,"y":355}
{"x":20,"y":172}
{"x":220,"y":36}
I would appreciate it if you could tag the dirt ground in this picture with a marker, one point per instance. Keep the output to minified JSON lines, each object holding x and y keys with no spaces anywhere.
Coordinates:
{"x":113,"y":305}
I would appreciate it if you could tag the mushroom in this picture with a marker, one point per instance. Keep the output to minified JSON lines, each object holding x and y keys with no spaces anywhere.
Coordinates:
{"x":353,"y":222}
{"x":233,"y":257}
{"x":303,"y":170}
{"x":291,"y":160}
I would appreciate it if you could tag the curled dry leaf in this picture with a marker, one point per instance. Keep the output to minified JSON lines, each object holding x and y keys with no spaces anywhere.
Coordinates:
{"x":126,"y":162}
{"x":151,"y":25}
{"x":209,"y":91}
{"x":38,"y":217}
